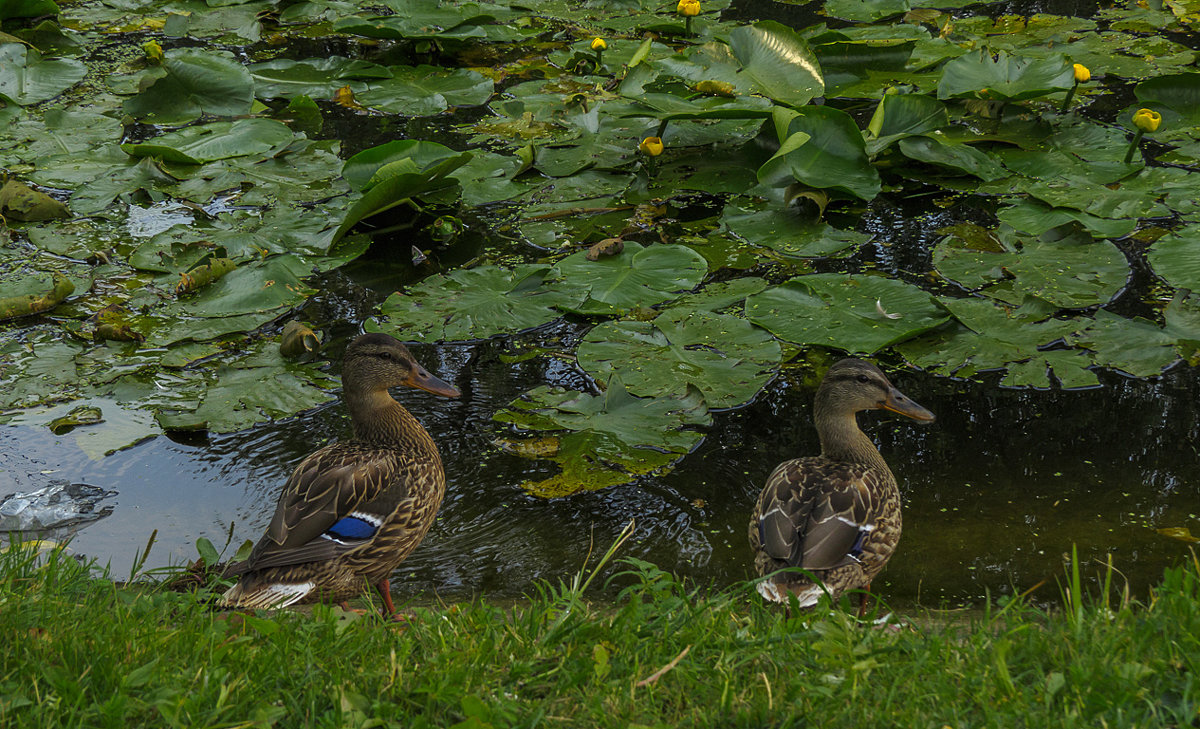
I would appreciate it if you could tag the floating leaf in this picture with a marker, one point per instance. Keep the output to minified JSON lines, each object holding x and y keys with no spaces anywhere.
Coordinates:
{"x":1005,"y":77}
{"x":19,"y":202}
{"x":831,"y":155}
{"x":1176,"y":257}
{"x":194,"y":83}
{"x":1182,"y":534}
{"x":12,"y":307}
{"x":218,"y":140}
{"x":723,"y":356}
{"x":638,"y":276}
{"x":778,"y":61}
{"x":27,"y":78}
{"x":992,"y":338}
{"x":786,"y":230}
{"x":475,"y":303}
{"x":611,"y":437}
{"x":1066,"y":273}
{"x":838,"y":311}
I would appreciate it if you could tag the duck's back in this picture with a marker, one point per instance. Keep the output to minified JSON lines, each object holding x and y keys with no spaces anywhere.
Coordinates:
{"x":835,"y":519}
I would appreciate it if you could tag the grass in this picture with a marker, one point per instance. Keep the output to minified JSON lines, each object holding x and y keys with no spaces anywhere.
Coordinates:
{"x":81,"y":651}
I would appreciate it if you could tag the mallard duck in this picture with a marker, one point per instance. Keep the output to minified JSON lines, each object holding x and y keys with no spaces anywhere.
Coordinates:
{"x":351,"y":512}
{"x":836,"y":515}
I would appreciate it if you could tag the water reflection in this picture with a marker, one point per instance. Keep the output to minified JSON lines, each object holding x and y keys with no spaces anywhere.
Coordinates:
{"x":995,"y":492}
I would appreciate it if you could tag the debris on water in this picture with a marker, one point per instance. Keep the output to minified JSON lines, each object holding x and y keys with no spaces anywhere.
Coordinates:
{"x":58,"y":505}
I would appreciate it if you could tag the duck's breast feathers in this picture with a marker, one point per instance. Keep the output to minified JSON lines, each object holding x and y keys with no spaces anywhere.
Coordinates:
{"x":815,"y":513}
{"x":336,"y":499}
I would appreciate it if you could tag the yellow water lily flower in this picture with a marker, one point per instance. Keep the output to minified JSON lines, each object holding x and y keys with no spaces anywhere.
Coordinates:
{"x":651,"y":146}
{"x":1147,"y":120}
{"x":1082,"y":74}
{"x":688,"y":8}
{"x":599,"y":44}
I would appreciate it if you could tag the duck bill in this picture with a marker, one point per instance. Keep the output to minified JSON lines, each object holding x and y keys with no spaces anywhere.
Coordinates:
{"x":422,"y":380}
{"x":898,"y":402}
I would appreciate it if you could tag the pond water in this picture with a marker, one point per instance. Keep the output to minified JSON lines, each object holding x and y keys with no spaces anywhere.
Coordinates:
{"x":996,"y":492}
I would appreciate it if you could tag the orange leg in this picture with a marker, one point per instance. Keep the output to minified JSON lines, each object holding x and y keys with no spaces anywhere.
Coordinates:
{"x":385,"y":591}
{"x":862,"y":600}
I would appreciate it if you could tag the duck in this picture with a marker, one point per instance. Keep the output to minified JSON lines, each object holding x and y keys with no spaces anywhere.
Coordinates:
{"x":352,"y":511}
{"x":836,"y":515}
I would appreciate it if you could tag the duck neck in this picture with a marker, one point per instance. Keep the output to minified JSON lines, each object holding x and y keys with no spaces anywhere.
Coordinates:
{"x":843,"y":440}
{"x":378,"y":419}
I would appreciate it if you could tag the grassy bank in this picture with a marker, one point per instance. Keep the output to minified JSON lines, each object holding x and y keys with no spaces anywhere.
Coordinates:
{"x":83,"y":652}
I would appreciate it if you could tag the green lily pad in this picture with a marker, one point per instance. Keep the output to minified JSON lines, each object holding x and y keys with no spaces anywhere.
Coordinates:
{"x":1176,"y":257}
{"x":723,"y":356}
{"x":989,"y":337}
{"x":194,"y":83}
{"x":612,"y":437}
{"x":936,"y":150}
{"x":785,"y":230}
{"x":845,"y":312}
{"x":1136,"y":347}
{"x":1065,"y":273}
{"x":830,"y":153}
{"x":219,"y":140}
{"x":637,"y":277}
{"x":1005,"y":77}
{"x":27,"y":78}
{"x":475,"y":303}
{"x":778,"y":61}
{"x":1035,"y":218}
{"x":865,"y":11}
{"x":426,"y":90}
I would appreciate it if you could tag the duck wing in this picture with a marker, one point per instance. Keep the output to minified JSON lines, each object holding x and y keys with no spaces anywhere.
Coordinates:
{"x":325,"y":508}
{"x":815,"y":513}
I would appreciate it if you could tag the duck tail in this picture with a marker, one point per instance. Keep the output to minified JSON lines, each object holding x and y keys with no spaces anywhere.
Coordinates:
{"x":807,"y":595}
{"x":247,"y":595}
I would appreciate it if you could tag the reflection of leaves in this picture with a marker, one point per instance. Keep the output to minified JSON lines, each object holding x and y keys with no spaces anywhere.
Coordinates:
{"x":475,"y":303}
{"x":724,"y":356}
{"x":834,"y":310}
{"x":611,"y":437}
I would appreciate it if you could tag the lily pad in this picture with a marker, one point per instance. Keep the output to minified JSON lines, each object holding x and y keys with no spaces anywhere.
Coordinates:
{"x":27,"y":78}
{"x":786,"y":231}
{"x":831,"y":153}
{"x":194,"y":83}
{"x":638,"y":277}
{"x":219,"y":140}
{"x":1066,"y":273}
{"x":989,"y":337}
{"x":475,"y":303}
{"x":853,"y":313}
{"x":723,"y":356}
{"x":778,"y":61}
{"x":1176,"y":257}
{"x":1005,"y":77}
{"x":611,"y":438}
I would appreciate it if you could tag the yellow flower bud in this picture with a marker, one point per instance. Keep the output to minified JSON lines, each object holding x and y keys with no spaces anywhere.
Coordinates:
{"x":688,"y":8}
{"x":599,"y":44}
{"x":651,"y":146}
{"x":1082,"y":74}
{"x":1147,"y":120}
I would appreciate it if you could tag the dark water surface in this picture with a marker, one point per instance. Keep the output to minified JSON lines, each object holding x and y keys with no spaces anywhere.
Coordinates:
{"x":995,"y":492}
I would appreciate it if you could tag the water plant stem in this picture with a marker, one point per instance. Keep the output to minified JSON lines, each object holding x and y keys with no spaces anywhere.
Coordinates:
{"x":1137,"y":139}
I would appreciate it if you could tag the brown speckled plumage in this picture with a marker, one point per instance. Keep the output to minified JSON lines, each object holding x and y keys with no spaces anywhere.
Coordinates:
{"x":387,"y":479}
{"x":836,"y":515}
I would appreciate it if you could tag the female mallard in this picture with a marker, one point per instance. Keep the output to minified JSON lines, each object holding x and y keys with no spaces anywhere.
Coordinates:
{"x":836,"y":515}
{"x":352,"y":511}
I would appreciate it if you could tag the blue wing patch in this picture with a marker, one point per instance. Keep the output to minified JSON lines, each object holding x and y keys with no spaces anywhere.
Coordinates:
{"x":351,"y":527}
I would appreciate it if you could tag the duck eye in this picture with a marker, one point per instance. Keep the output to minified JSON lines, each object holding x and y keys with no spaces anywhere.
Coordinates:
{"x":863,"y":379}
